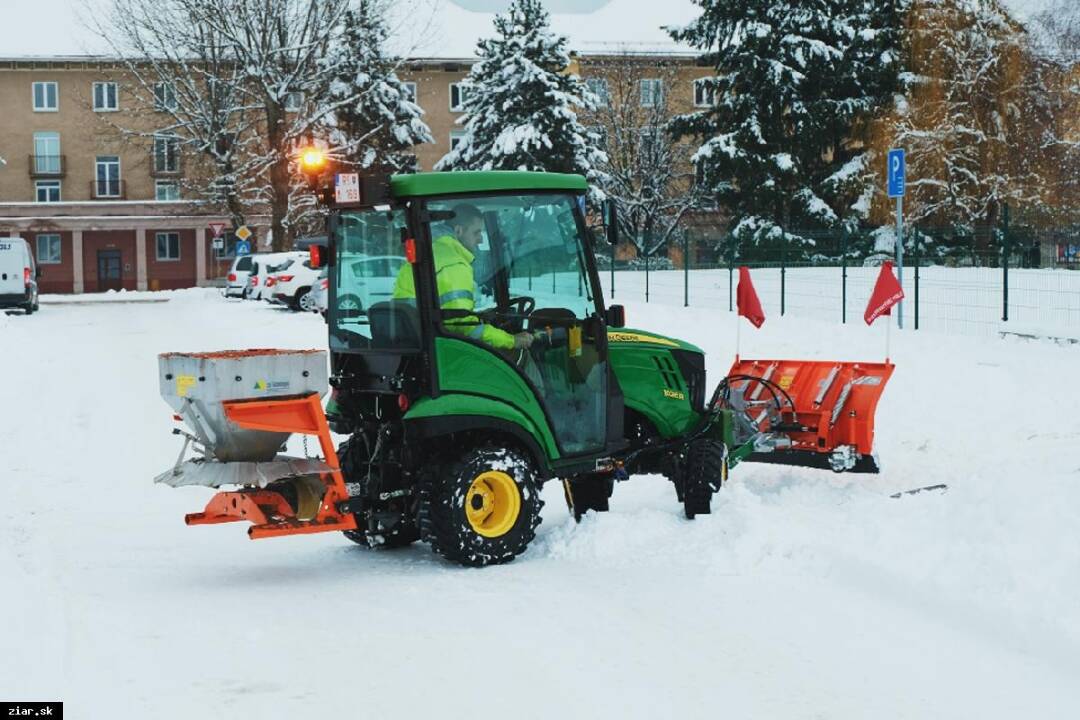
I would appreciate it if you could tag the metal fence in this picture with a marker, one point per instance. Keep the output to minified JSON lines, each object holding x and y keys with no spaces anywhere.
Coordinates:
{"x":1023,"y":282}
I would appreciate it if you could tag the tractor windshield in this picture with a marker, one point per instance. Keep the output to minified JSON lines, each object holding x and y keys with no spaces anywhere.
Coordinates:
{"x":369,"y":258}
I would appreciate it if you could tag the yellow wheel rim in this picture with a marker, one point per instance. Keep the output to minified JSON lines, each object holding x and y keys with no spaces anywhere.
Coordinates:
{"x":492,"y":504}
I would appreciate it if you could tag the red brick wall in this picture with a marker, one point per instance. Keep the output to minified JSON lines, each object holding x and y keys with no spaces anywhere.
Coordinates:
{"x":122,"y":240}
{"x":55,"y":278}
{"x":170,"y":274}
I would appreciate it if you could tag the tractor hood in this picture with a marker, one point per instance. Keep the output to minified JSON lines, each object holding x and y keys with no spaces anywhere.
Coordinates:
{"x":621,"y":337}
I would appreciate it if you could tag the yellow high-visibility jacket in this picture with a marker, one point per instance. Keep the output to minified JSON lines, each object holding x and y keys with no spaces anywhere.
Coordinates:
{"x":456,"y":286}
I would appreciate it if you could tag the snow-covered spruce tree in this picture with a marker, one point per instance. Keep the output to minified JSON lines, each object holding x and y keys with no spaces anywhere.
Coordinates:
{"x":795,"y":80}
{"x":520,"y":102}
{"x":380,"y":127}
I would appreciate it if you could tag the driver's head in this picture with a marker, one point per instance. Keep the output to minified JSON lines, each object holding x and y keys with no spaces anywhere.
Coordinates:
{"x":468,"y":225}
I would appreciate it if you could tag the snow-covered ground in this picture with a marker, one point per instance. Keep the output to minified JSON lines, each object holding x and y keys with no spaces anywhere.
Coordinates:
{"x":805,"y":594}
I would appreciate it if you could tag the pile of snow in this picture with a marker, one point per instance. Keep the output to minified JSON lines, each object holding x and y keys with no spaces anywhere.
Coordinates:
{"x":805,"y":594}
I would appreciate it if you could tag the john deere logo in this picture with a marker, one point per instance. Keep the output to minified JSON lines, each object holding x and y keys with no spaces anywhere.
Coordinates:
{"x":263,"y":385}
{"x":673,"y":394}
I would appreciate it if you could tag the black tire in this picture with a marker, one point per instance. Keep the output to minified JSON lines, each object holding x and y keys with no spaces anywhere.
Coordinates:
{"x":589,"y":492}
{"x":298,"y":301}
{"x":704,"y":473}
{"x":447,"y":490}
{"x":402,"y":534}
{"x":29,"y":308}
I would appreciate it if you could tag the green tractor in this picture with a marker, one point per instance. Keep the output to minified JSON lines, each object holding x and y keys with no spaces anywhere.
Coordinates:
{"x":466,"y":380}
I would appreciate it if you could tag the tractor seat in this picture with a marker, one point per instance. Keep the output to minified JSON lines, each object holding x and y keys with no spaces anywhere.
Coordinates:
{"x":394,"y":324}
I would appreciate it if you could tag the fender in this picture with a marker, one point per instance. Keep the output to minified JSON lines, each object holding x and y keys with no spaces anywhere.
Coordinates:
{"x":455,"y":412}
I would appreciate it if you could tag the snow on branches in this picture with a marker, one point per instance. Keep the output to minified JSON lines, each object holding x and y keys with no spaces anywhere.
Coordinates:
{"x":521,"y":105}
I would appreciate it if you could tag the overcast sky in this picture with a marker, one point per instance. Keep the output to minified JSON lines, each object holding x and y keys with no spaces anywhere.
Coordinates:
{"x":54,"y":27}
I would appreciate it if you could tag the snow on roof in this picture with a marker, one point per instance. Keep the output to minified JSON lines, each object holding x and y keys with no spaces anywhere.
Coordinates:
{"x":444,"y":29}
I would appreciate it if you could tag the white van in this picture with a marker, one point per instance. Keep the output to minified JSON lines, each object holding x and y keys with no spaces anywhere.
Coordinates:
{"x":239,"y":277}
{"x":18,"y":275}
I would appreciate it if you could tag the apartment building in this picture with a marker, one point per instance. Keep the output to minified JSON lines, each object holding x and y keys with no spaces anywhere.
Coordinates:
{"x":106,"y":209}
{"x":103,"y":209}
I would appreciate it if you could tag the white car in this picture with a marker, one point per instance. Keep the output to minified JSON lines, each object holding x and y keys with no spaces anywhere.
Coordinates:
{"x":18,"y":275}
{"x":239,"y":277}
{"x":263,"y":266}
{"x":320,"y":292}
{"x":291,"y":285}
{"x":366,"y":280}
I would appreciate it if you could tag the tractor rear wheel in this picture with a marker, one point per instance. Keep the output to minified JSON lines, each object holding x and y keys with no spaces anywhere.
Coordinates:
{"x":483,"y":507}
{"x":704,"y":472}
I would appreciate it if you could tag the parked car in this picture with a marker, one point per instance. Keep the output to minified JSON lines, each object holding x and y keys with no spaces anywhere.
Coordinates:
{"x":263,"y":267}
{"x":372,"y":281}
{"x":320,"y":292}
{"x":18,"y":275}
{"x":291,"y":285}
{"x":239,"y":278}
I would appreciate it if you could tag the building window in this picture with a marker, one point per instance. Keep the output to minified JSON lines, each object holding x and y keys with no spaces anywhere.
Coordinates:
{"x":599,"y":88}
{"x":105,"y":99}
{"x":48,"y":249}
{"x":164,"y":97}
{"x":652,"y":92}
{"x":47,"y":158}
{"x":410,"y":91}
{"x":600,"y":133}
{"x":107,"y":177}
{"x":704,"y":92}
{"x":294,"y":101}
{"x":47,"y":191}
{"x":166,"y":190}
{"x":650,"y":145}
{"x":46,"y":97}
{"x":456,"y":136}
{"x":459,"y":95}
{"x":168,"y":246}
{"x":166,"y":154}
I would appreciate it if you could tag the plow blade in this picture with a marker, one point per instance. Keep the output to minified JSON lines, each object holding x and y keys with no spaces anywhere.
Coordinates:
{"x":825,"y":417}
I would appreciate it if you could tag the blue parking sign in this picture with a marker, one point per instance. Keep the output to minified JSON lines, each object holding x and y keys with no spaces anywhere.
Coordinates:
{"x":243,"y":247}
{"x":897,"y":172}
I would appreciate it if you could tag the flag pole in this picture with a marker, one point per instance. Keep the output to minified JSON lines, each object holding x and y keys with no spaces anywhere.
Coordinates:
{"x":888,"y":335}
{"x":738,"y":334}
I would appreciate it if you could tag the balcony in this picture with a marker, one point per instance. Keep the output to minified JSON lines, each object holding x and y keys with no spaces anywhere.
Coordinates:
{"x":48,"y":166}
{"x":108,"y":190}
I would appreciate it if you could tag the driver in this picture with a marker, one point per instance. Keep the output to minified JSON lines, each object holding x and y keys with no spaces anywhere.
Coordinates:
{"x":454,"y":254}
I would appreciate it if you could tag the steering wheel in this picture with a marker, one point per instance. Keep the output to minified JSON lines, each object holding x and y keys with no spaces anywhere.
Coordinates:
{"x":524,"y":305}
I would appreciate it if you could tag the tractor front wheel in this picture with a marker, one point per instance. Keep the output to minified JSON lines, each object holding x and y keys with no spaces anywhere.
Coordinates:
{"x":704,"y":472}
{"x":483,"y":507}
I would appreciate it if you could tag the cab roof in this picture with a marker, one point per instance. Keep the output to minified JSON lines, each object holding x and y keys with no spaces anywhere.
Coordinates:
{"x":451,"y":183}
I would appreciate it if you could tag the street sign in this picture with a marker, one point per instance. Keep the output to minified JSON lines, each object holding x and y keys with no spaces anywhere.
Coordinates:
{"x":243,"y":232}
{"x":897,"y":174}
{"x":219,"y":243}
{"x":243,"y":248}
{"x":217,"y":228}
{"x":347,"y":188}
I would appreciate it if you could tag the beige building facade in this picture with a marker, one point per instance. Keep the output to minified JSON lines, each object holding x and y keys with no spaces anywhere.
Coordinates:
{"x":98,"y":189}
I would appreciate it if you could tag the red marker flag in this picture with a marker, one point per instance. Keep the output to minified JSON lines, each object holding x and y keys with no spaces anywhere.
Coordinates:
{"x":887,"y":292}
{"x":747,"y":299}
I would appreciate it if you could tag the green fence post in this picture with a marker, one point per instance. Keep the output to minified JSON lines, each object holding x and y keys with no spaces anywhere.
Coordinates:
{"x":686,"y":270}
{"x":1005,"y":263}
{"x":730,"y":273}
{"x":843,"y":275}
{"x":783,"y":271}
{"x":915,"y":241}
{"x":613,"y":270}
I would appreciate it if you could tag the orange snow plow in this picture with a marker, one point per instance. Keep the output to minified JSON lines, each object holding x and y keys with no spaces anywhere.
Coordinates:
{"x":807,"y":413}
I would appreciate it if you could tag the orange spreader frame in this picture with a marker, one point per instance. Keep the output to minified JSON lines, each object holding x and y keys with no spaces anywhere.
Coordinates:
{"x":835,"y":401}
{"x":269,"y":511}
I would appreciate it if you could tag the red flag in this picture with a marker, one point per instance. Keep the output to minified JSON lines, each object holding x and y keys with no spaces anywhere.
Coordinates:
{"x":747,"y":299}
{"x":887,"y":292}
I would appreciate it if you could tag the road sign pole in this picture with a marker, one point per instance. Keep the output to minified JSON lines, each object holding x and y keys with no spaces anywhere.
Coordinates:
{"x":900,"y":258}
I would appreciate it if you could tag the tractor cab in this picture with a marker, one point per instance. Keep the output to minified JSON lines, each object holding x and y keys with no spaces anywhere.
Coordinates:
{"x":485,"y":295}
